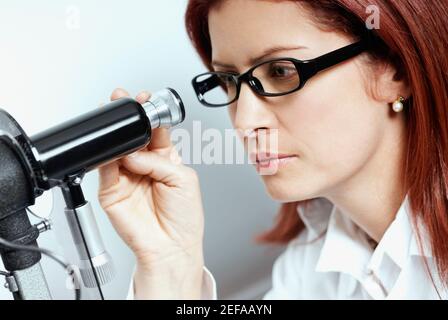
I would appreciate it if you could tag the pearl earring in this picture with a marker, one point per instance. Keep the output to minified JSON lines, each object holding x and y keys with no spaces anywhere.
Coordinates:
{"x":398,"y":105}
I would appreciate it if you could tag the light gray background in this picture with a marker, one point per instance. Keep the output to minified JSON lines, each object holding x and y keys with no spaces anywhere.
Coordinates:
{"x":53,"y":68}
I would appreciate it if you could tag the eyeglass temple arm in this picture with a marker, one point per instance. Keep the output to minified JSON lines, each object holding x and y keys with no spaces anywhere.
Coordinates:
{"x":333,"y":58}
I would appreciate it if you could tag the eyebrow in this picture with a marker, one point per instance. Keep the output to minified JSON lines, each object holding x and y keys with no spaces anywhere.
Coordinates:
{"x":261,"y":57}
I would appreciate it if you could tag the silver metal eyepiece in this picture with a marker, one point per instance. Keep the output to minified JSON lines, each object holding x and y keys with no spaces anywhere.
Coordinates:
{"x":165,"y":109}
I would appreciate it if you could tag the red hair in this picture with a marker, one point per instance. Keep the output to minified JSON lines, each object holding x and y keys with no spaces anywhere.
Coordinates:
{"x":413,"y":37}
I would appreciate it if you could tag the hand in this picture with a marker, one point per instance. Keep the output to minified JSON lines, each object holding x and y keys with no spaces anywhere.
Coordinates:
{"x":154,"y":203}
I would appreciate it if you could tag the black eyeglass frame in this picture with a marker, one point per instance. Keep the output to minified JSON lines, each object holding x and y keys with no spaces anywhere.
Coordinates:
{"x":305,"y":68}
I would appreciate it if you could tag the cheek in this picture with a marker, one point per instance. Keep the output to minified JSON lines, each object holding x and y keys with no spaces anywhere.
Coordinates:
{"x":335,"y":130}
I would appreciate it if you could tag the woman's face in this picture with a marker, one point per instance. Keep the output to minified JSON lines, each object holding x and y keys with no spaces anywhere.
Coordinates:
{"x":330,"y":129}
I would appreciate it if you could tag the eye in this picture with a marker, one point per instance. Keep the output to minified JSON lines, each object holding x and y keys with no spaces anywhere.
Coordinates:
{"x":225,"y":79}
{"x":282,"y":70}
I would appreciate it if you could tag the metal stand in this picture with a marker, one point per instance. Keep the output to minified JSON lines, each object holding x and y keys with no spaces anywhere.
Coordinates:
{"x":29,"y":284}
{"x":96,"y":265}
{"x":27,"y":280}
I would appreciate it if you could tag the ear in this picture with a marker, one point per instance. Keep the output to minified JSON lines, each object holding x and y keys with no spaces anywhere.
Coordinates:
{"x":389,"y":84}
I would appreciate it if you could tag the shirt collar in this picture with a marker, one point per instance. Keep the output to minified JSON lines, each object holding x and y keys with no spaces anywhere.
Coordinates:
{"x":346,"y":249}
{"x":315,"y":215}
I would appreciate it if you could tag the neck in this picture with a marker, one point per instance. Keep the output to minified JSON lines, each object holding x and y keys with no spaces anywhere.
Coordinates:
{"x":372,"y":197}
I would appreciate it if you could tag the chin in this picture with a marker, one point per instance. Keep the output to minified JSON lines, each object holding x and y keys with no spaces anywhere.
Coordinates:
{"x":282,"y":191}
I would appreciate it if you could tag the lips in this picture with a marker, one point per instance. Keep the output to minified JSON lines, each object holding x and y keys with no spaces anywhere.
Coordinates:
{"x":269,"y":163}
{"x":264,"y":157}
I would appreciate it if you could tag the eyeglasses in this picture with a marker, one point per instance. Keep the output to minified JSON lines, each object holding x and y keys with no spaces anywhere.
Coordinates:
{"x":272,"y":78}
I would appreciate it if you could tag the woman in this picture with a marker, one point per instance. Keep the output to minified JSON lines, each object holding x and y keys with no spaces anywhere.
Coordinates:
{"x":362,"y":151}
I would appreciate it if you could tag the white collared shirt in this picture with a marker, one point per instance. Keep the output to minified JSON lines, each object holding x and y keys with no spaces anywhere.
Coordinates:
{"x":342,"y":265}
{"x":332,"y":259}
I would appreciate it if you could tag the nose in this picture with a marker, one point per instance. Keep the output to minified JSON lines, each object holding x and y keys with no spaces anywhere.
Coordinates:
{"x":252,"y":111}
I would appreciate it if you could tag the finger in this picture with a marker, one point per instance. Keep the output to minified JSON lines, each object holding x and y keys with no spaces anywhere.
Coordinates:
{"x":118,"y":93}
{"x":155,"y":166}
{"x":109,"y":175}
{"x":175,"y":157}
{"x":161,"y":140}
{"x":143,"y":97}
